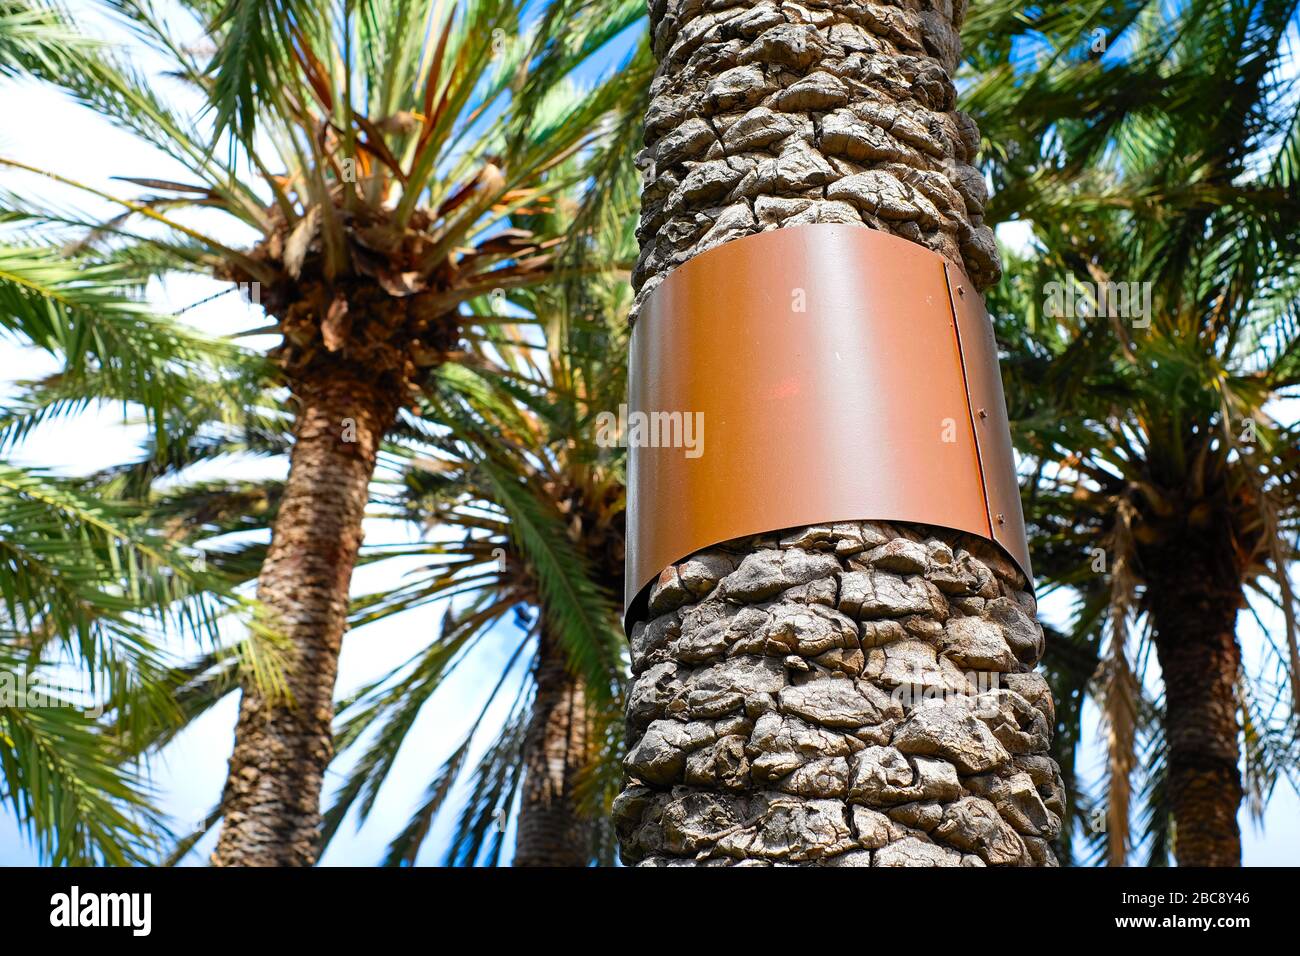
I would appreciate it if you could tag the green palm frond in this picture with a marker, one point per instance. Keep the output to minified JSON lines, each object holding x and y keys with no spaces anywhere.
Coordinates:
{"x":65,"y":782}
{"x":255,"y":57}
{"x":81,"y":571}
{"x":112,"y":344}
{"x":576,"y":611}
{"x":85,"y":591}
{"x":480,"y":829}
{"x":37,"y":36}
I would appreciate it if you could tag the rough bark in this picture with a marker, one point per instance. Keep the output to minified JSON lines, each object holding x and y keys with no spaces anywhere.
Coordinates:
{"x":768,"y":115}
{"x":282,"y":745}
{"x":784,"y":708}
{"x":1194,"y":595}
{"x":856,"y":694}
{"x":552,"y":831}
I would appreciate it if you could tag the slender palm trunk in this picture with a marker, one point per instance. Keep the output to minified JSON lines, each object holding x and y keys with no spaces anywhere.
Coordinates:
{"x":775,"y":713}
{"x":552,"y":830}
{"x":1194,"y":597}
{"x":283,"y":744}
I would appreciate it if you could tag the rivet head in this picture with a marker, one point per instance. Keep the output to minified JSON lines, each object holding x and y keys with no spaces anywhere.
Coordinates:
{"x":961,"y":290}
{"x":1002,"y":519}
{"x":984,"y":413}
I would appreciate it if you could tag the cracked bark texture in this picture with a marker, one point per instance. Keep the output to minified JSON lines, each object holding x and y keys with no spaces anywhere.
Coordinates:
{"x":552,"y":829}
{"x":766,"y":115}
{"x":856,"y":694}
{"x":271,"y":802}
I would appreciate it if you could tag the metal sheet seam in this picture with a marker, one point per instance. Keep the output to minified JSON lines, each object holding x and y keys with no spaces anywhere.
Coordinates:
{"x":970,"y":404}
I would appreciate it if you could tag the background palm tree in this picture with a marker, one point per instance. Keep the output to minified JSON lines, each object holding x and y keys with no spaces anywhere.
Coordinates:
{"x":523,"y":515}
{"x":540,"y":508}
{"x":384,"y":144}
{"x":1162,"y":484}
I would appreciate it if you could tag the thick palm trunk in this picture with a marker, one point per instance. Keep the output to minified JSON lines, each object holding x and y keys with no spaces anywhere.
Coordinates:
{"x":282,"y":746}
{"x":1194,"y":599}
{"x":776,"y":713}
{"x":552,"y":831}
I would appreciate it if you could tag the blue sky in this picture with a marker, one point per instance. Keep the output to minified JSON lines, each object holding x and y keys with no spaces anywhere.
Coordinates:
{"x":43,"y":129}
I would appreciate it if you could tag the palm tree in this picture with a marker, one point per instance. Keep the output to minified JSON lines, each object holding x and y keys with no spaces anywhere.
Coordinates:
{"x":372,"y":151}
{"x":737,"y":756}
{"x":523,"y":511}
{"x":1164,"y":483}
{"x":36,"y":35}
{"x":536,"y":507}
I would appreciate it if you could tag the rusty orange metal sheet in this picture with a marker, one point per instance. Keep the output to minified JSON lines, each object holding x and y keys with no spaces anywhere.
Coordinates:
{"x":807,"y":375}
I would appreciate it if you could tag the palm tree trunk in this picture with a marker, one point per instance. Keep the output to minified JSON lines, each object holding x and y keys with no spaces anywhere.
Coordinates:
{"x":552,"y":830}
{"x":1194,"y":600}
{"x":775,"y":714}
{"x":284,"y":742}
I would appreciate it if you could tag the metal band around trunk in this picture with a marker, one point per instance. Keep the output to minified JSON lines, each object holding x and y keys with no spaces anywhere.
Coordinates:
{"x":808,"y":375}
